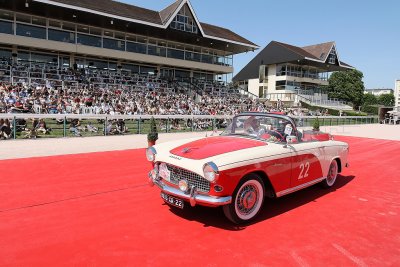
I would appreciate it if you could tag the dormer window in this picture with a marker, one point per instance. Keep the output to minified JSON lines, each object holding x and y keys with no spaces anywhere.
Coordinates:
{"x":184,"y":21}
{"x":332,"y":56}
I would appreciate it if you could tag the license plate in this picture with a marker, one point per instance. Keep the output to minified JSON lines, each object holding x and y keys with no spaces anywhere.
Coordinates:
{"x":176,"y":202}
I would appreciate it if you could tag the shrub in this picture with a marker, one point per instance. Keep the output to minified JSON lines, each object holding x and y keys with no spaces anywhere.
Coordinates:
{"x":153,"y":134}
{"x":316,"y":124}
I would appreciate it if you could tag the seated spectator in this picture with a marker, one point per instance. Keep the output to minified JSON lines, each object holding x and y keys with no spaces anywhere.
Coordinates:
{"x":121,"y":127}
{"x":91,"y":128}
{"x":5,"y":129}
{"x":73,"y":127}
{"x":41,"y":127}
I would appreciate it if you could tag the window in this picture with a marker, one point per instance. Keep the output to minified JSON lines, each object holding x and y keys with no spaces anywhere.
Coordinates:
{"x":136,"y":48}
{"x":31,"y":31}
{"x":6,"y":27}
{"x":23,"y":18}
{"x":132,"y":68}
{"x":114,"y":44}
{"x":6,"y":15}
{"x":95,"y":31}
{"x":89,"y":40}
{"x":184,"y":21}
{"x":39,"y":21}
{"x":5,"y":54}
{"x":156,"y":50}
{"x":147,"y":70}
{"x":55,"y":24}
{"x":120,"y":35}
{"x":182,"y":73}
{"x":61,"y":36}
{"x":173,"y":53}
{"x":81,"y":28}
{"x":68,"y":26}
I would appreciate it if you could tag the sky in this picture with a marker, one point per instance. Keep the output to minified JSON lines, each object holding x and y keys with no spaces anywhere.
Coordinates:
{"x":366,"y":32}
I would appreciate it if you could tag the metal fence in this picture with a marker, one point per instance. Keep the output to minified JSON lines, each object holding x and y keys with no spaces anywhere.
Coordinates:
{"x":25,"y":126}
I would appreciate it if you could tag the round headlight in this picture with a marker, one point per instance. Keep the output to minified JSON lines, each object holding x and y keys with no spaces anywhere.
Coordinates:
{"x":211,"y":172}
{"x":151,"y":153}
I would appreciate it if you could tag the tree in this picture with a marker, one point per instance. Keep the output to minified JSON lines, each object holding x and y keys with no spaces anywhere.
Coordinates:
{"x":386,"y":100}
{"x":369,"y":99}
{"x":347,"y":86}
{"x":369,"y":104}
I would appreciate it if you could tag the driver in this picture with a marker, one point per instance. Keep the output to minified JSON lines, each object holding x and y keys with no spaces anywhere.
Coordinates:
{"x":251,"y":125}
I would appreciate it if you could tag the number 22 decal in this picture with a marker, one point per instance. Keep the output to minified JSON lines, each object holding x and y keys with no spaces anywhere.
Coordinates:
{"x":304,"y":170}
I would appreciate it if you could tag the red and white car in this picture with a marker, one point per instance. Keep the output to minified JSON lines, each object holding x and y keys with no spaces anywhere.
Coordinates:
{"x":259,"y":155}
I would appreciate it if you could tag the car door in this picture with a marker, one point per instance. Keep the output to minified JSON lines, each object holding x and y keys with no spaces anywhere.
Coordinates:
{"x":307,"y":162}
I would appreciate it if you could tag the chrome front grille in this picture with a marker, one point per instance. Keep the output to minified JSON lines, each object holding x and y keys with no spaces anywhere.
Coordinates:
{"x":192,"y":178}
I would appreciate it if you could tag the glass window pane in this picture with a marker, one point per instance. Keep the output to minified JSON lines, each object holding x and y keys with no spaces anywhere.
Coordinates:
{"x":31,"y":31}
{"x":55,"y":24}
{"x":6,"y":15}
{"x":120,"y":35}
{"x":95,"y":31}
{"x":136,"y":48}
{"x":6,"y":27}
{"x":173,"y":53}
{"x":108,"y":33}
{"x":89,"y":40}
{"x":132,"y":68}
{"x":81,"y":28}
{"x":23,"y":18}
{"x":68,"y":26}
{"x":43,"y":58}
{"x":181,"y":73}
{"x":114,"y":44}
{"x":39,"y":21}
{"x":147,"y":70}
{"x":5,"y":54}
{"x":156,"y":51}
{"x":61,"y":36}
{"x":141,"y":39}
{"x":207,"y":59}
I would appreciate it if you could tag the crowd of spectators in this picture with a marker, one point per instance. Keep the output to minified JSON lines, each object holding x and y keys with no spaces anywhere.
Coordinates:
{"x":29,"y":99}
{"x":88,"y":92}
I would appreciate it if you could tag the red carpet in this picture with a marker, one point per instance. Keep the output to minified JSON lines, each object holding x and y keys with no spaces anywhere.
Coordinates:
{"x":97,"y":210}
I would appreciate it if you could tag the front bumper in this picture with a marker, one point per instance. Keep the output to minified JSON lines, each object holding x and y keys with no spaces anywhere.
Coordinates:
{"x":193,"y":197}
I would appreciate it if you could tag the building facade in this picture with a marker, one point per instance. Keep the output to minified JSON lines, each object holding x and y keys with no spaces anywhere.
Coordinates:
{"x":378,"y":92}
{"x":110,"y":35}
{"x":281,"y":69}
{"x":397,"y":94}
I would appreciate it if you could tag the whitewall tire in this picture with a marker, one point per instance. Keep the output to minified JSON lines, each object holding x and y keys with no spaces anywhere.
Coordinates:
{"x":247,"y":200}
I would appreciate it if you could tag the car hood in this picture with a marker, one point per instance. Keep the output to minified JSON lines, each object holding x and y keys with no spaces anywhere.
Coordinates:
{"x":213,"y":146}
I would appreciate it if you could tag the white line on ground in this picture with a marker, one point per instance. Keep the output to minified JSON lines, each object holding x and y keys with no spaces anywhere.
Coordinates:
{"x":353,"y":258}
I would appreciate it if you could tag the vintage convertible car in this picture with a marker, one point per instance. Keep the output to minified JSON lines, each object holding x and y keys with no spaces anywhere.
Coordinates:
{"x":258,"y":155}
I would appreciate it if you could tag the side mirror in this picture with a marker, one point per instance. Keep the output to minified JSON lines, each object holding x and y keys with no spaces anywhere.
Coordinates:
{"x":291,"y":139}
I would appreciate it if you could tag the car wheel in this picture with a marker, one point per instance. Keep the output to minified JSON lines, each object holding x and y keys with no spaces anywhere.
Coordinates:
{"x":332,"y":174}
{"x":248,"y":198}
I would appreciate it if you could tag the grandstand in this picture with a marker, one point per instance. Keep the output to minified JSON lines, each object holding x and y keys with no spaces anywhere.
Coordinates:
{"x":292,"y":74}
{"x":74,"y":46}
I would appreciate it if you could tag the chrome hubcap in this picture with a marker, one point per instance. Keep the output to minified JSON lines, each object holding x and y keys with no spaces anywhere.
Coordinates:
{"x":247,"y":199}
{"x":332,"y":174}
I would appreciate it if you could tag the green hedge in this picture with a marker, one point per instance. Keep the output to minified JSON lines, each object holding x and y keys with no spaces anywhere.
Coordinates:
{"x":370,"y":109}
{"x":333,"y":112}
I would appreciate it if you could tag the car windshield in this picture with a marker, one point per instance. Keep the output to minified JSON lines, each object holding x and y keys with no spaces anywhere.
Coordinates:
{"x":264,"y":127}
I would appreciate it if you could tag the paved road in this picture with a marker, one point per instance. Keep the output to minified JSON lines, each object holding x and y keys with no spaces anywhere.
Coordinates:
{"x":12,"y":149}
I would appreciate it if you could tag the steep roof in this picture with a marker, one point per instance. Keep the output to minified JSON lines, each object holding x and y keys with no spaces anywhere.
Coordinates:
{"x":319,"y":51}
{"x":167,"y":12}
{"x":146,"y":16}
{"x":277,"y":52}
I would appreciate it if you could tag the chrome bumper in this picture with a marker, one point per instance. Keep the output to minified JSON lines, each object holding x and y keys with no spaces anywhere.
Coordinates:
{"x":192,"y":196}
